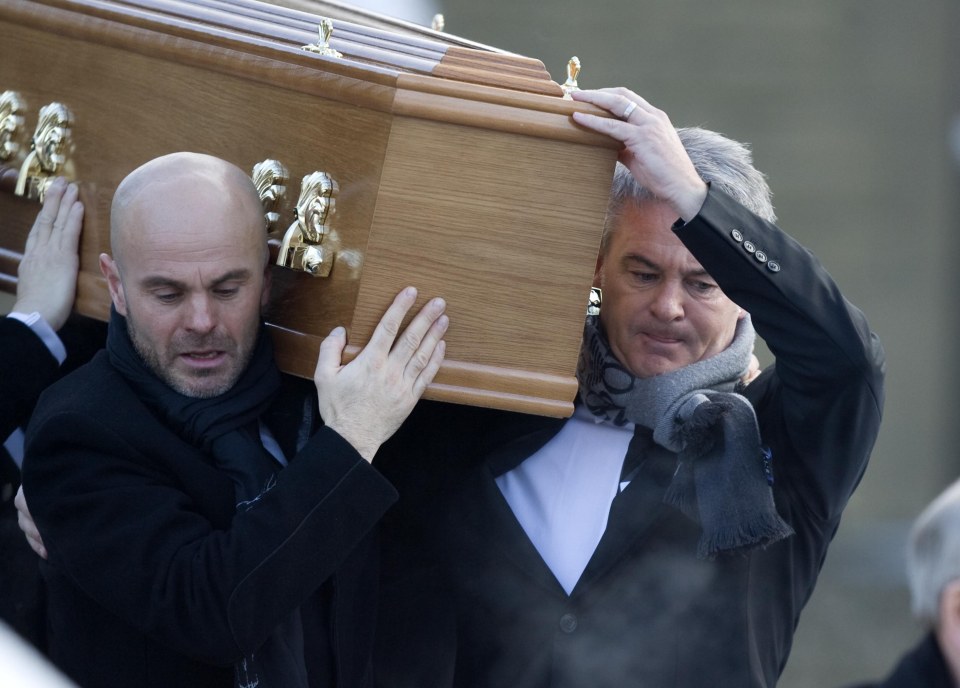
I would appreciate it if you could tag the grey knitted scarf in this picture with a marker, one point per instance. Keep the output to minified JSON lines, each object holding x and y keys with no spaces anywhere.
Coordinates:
{"x":720,"y":482}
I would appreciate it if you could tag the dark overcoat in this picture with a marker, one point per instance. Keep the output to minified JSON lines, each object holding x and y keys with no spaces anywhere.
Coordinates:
{"x":154,"y":578}
{"x":478,"y":606}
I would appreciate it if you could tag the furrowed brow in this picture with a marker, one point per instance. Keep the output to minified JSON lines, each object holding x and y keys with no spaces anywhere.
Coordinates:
{"x":635,"y":260}
{"x":240,"y":275}
{"x":158,"y":282}
{"x":699,"y":273}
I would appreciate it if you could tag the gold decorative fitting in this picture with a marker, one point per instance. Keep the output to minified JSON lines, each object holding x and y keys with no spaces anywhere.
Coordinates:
{"x":322,"y":46}
{"x":301,"y":248}
{"x":12,"y":107}
{"x":270,"y":177}
{"x":50,"y":151}
{"x":594,"y":300}
{"x":573,"y":71}
{"x":437,"y":23}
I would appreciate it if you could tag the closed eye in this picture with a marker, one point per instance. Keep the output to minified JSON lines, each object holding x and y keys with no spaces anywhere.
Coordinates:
{"x":226,"y":292}
{"x":702,"y":287}
{"x":167,"y":297}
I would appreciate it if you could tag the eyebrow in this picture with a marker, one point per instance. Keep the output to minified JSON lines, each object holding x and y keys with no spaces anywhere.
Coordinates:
{"x":632,"y":259}
{"x":157,"y":281}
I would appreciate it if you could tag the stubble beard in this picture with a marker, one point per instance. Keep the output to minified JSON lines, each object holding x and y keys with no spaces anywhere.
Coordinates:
{"x":191,"y":385}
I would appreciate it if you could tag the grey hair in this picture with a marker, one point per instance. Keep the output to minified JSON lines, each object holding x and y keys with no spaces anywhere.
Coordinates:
{"x":933,"y":553}
{"x":722,"y":162}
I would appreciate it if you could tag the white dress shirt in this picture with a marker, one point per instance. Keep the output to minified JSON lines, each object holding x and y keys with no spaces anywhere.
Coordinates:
{"x":561,"y":495}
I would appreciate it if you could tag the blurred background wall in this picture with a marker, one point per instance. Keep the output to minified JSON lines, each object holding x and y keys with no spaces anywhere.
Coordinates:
{"x":853,"y":111}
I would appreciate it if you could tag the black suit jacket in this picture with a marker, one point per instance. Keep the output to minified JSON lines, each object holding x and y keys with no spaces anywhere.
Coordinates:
{"x":155,"y":580}
{"x":646,"y":611}
{"x":922,"y":667}
{"x":26,"y":368}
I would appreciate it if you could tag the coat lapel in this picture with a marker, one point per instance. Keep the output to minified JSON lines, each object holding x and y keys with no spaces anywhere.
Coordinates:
{"x":495,"y":526}
{"x":503,"y":532}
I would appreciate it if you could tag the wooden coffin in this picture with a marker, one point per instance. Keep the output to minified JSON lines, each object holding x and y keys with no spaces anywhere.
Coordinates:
{"x":459,"y":170}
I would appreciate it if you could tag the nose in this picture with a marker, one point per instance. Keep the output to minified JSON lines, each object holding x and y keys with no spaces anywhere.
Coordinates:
{"x":201,"y":314}
{"x":667,"y":304}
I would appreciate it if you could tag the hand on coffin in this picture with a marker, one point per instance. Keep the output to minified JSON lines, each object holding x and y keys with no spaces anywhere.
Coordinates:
{"x":47,"y":277}
{"x":29,"y":528}
{"x":652,"y":151}
{"x":366,"y":400}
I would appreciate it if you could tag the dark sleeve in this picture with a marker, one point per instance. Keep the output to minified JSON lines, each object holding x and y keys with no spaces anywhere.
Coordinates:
{"x":820,"y":405}
{"x":143,"y":524}
{"x":26,"y":368}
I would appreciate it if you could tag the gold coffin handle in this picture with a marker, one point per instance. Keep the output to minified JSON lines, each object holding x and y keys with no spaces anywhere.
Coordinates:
{"x":12,"y":109}
{"x":50,"y":151}
{"x":302,"y":247}
{"x":270,"y":177}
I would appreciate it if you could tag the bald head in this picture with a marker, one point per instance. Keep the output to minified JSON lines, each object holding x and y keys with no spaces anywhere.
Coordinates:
{"x":179,"y":191}
{"x":189,"y":270}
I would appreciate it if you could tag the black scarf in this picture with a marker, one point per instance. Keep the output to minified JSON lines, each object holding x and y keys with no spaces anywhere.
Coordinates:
{"x":721,"y":481}
{"x":227,"y":427}
{"x":201,"y":422}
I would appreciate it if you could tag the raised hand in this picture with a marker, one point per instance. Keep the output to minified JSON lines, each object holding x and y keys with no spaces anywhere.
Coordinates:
{"x":366,"y":400}
{"x":47,"y":277}
{"x":651,"y":148}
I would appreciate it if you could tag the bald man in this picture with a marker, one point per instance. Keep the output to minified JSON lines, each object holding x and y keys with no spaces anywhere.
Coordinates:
{"x":208,"y":523}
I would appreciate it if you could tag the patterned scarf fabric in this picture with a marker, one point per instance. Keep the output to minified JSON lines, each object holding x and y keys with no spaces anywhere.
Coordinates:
{"x":721,"y":481}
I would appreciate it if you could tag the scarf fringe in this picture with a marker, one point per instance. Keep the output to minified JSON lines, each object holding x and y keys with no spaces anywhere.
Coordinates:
{"x":765,"y":530}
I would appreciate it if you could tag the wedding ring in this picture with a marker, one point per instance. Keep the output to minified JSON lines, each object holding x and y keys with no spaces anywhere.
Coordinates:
{"x":629,"y":109}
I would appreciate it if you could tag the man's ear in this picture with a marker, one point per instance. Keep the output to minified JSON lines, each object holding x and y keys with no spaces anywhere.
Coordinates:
{"x":598,"y":272}
{"x":110,"y":272}
{"x":267,"y":284}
